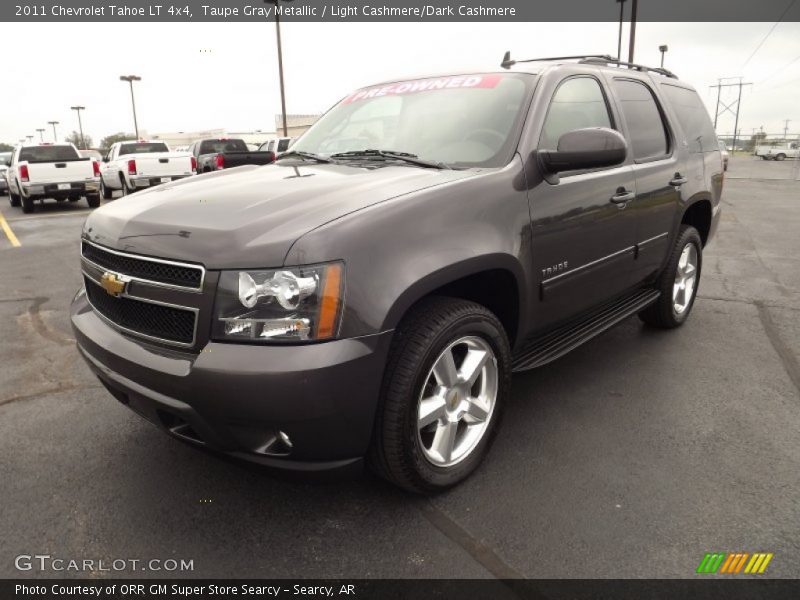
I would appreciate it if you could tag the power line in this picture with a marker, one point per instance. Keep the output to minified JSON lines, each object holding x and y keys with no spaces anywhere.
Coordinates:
{"x":781,"y":70}
{"x":769,"y":33}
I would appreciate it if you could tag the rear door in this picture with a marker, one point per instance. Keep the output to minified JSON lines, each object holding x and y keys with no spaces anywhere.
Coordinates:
{"x":582,"y":240}
{"x":659,"y":168}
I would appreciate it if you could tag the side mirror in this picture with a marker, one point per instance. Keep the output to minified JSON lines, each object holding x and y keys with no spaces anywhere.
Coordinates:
{"x":590,"y":148}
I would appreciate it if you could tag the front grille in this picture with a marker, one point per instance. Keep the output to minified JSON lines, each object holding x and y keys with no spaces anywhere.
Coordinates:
{"x":151,"y":270}
{"x":153,"y":320}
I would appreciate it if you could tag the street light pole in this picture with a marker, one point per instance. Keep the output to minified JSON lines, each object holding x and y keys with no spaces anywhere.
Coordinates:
{"x":130,"y":79}
{"x":663,"y":50}
{"x":54,"y":123}
{"x":41,"y":135}
{"x":78,"y":109}
{"x":621,"y":18}
{"x":632,"y":44}
{"x":280,"y":64}
{"x":30,"y":138}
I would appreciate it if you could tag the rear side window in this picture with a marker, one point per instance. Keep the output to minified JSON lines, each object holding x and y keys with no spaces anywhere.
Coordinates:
{"x":283,"y":145}
{"x":578,"y":103}
{"x":143,"y":148}
{"x":693,"y":118}
{"x":645,"y":126}
{"x":42,"y":154}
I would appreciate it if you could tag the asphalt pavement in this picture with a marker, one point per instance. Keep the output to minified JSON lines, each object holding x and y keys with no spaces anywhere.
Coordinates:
{"x":632,"y":456}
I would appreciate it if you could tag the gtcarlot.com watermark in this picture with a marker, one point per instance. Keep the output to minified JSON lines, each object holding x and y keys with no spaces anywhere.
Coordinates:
{"x":48,"y":563}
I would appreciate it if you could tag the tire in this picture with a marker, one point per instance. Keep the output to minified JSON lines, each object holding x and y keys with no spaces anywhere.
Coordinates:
{"x":764,"y":158}
{"x":126,"y":191}
{"x":27,"y":204}
{"x":93,"y":200}
{"x":403,"y":450}
{"x":107,"y":193}
{"x":13,"y":199}
{"x":674,"y":305}
{"x":780,"y":156}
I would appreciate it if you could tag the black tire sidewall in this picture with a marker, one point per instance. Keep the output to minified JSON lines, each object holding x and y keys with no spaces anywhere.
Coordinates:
{"x":431,"y":476}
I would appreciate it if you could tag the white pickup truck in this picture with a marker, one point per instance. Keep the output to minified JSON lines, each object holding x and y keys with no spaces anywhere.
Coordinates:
{"x":779,"y":151}
{"x":54,"y":171}
{"x":130,"y":166}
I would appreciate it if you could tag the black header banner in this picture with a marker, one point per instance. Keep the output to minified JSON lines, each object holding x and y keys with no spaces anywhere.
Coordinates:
{"x":419,"y":11}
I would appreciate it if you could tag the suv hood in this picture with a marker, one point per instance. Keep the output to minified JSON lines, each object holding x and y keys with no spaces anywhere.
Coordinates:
{"x":249,"y":217}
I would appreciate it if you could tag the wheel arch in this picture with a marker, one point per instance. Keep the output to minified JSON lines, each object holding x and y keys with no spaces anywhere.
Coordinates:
{"x":698,"y":214}
{"x":477,"y":279}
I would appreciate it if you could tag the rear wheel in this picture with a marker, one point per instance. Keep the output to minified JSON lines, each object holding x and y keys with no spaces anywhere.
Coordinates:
{"x":780,"y":156}
{"x":27,"y":204}
{"x":125,"y":189}
{"x":447,"y":377}
{"x":93,"y":200}
{"x":678,"y":283}
{"x":13,"y":199}
{"x":107,"y":193}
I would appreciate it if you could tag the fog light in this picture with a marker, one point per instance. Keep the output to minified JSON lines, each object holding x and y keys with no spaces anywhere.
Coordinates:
{"x":285,"y":438}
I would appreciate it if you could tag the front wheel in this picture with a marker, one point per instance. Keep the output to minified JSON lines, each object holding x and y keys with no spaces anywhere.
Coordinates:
{"x":780,"y":157}
{"x":678,"y":282}
{"x":446,"y":380}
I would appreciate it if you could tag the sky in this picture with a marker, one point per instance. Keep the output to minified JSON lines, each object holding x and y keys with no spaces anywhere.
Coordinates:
{"x":199,"y":76}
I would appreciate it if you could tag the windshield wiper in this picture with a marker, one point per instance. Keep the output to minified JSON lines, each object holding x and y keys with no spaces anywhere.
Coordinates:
{"x":306,"y":155}
{"x":407,"y":157}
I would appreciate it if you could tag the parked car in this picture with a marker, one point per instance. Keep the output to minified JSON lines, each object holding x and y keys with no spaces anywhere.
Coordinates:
{"x":53,"y":171}
{"x":5,"y":161}
{"x":215,"y":154}
{"x":131,"y":166}
{"x":725,"y":156}
{"x":779,"y":151}
{"x":277,"y":145}
{"x":372,"y":303}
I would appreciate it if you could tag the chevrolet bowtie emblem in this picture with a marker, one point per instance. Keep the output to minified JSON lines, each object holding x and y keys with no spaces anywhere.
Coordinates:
{"x":111,"y":284}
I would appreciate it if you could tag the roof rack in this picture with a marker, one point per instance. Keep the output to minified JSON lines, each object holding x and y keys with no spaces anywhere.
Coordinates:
{"x":597,"y":59}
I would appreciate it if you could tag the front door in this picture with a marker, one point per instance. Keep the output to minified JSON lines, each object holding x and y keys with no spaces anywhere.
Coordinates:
{"x":583,"y":236}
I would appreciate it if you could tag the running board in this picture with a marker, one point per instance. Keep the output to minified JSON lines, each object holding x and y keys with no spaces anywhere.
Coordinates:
{"x":555,"y":344}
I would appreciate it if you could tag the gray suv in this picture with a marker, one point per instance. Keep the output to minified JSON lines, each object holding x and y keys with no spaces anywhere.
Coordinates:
{"x":367,"y":297}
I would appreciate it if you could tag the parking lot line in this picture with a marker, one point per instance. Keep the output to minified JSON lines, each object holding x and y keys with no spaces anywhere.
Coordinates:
{"x":9,"y":234}
{"x":50,"y":216}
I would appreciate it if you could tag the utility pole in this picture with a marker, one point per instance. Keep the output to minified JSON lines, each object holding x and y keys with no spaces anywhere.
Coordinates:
{"x":41,"y":134}
{"x":130,"y":79}
{"x":786,"y":129}
{"x":78,"y":109}
{"x":280,"y":62}
{"x":733,"y":107}
{"x":621,"y":20}
{"x":634,"y":7}
{"x":54,"y":123}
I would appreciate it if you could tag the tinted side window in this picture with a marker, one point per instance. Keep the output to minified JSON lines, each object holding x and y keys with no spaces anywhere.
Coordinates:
{"x":693,"y":118}
{"x":578,"y":102}
{"x":645,"y":125}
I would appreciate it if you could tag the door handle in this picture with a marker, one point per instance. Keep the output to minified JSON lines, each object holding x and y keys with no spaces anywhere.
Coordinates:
{"x":622,"y":197}
{"x":678,"y":180}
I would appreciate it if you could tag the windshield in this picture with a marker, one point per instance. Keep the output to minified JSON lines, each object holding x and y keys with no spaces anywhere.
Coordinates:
{"x":215,"y":146}
{"x":143,"y":148}
{"x":460,"y":120}
{"x":43,"y":154}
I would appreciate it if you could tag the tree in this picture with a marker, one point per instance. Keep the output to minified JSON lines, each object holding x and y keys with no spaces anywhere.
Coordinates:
{"x":107,"y":141}
{"x":5,"y":147}
{"x":75,"y":138}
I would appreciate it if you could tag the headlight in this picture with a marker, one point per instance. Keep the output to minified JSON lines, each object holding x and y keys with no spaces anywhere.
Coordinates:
{"x":301,"y":303}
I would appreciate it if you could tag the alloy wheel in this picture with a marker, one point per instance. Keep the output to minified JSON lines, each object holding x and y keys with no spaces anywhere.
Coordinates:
{"x":685,"y":279}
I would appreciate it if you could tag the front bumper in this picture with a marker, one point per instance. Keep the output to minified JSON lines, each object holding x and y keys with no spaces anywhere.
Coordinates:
{"x":235,"y":398}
